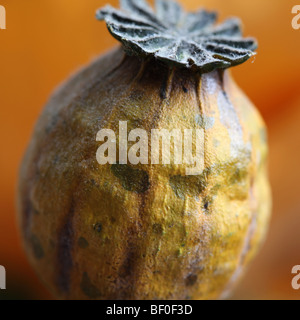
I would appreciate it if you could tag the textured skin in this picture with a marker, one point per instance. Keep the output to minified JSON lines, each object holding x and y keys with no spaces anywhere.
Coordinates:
{"x":146,"y":231}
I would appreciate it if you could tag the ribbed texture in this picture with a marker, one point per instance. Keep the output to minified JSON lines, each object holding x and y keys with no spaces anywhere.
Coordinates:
{"x":191,"y":40}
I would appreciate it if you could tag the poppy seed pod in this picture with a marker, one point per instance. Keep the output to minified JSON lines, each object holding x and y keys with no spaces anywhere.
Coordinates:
{"x":140,"y":224}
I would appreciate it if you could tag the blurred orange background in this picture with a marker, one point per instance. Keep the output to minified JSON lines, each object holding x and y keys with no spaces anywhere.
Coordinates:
{"x":46,"y":40}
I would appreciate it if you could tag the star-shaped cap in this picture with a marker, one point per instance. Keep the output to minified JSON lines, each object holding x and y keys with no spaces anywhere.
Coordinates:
{"x":190,"y":40}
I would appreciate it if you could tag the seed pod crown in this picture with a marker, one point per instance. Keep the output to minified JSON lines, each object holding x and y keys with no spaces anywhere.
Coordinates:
{"x":190,"y":40}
